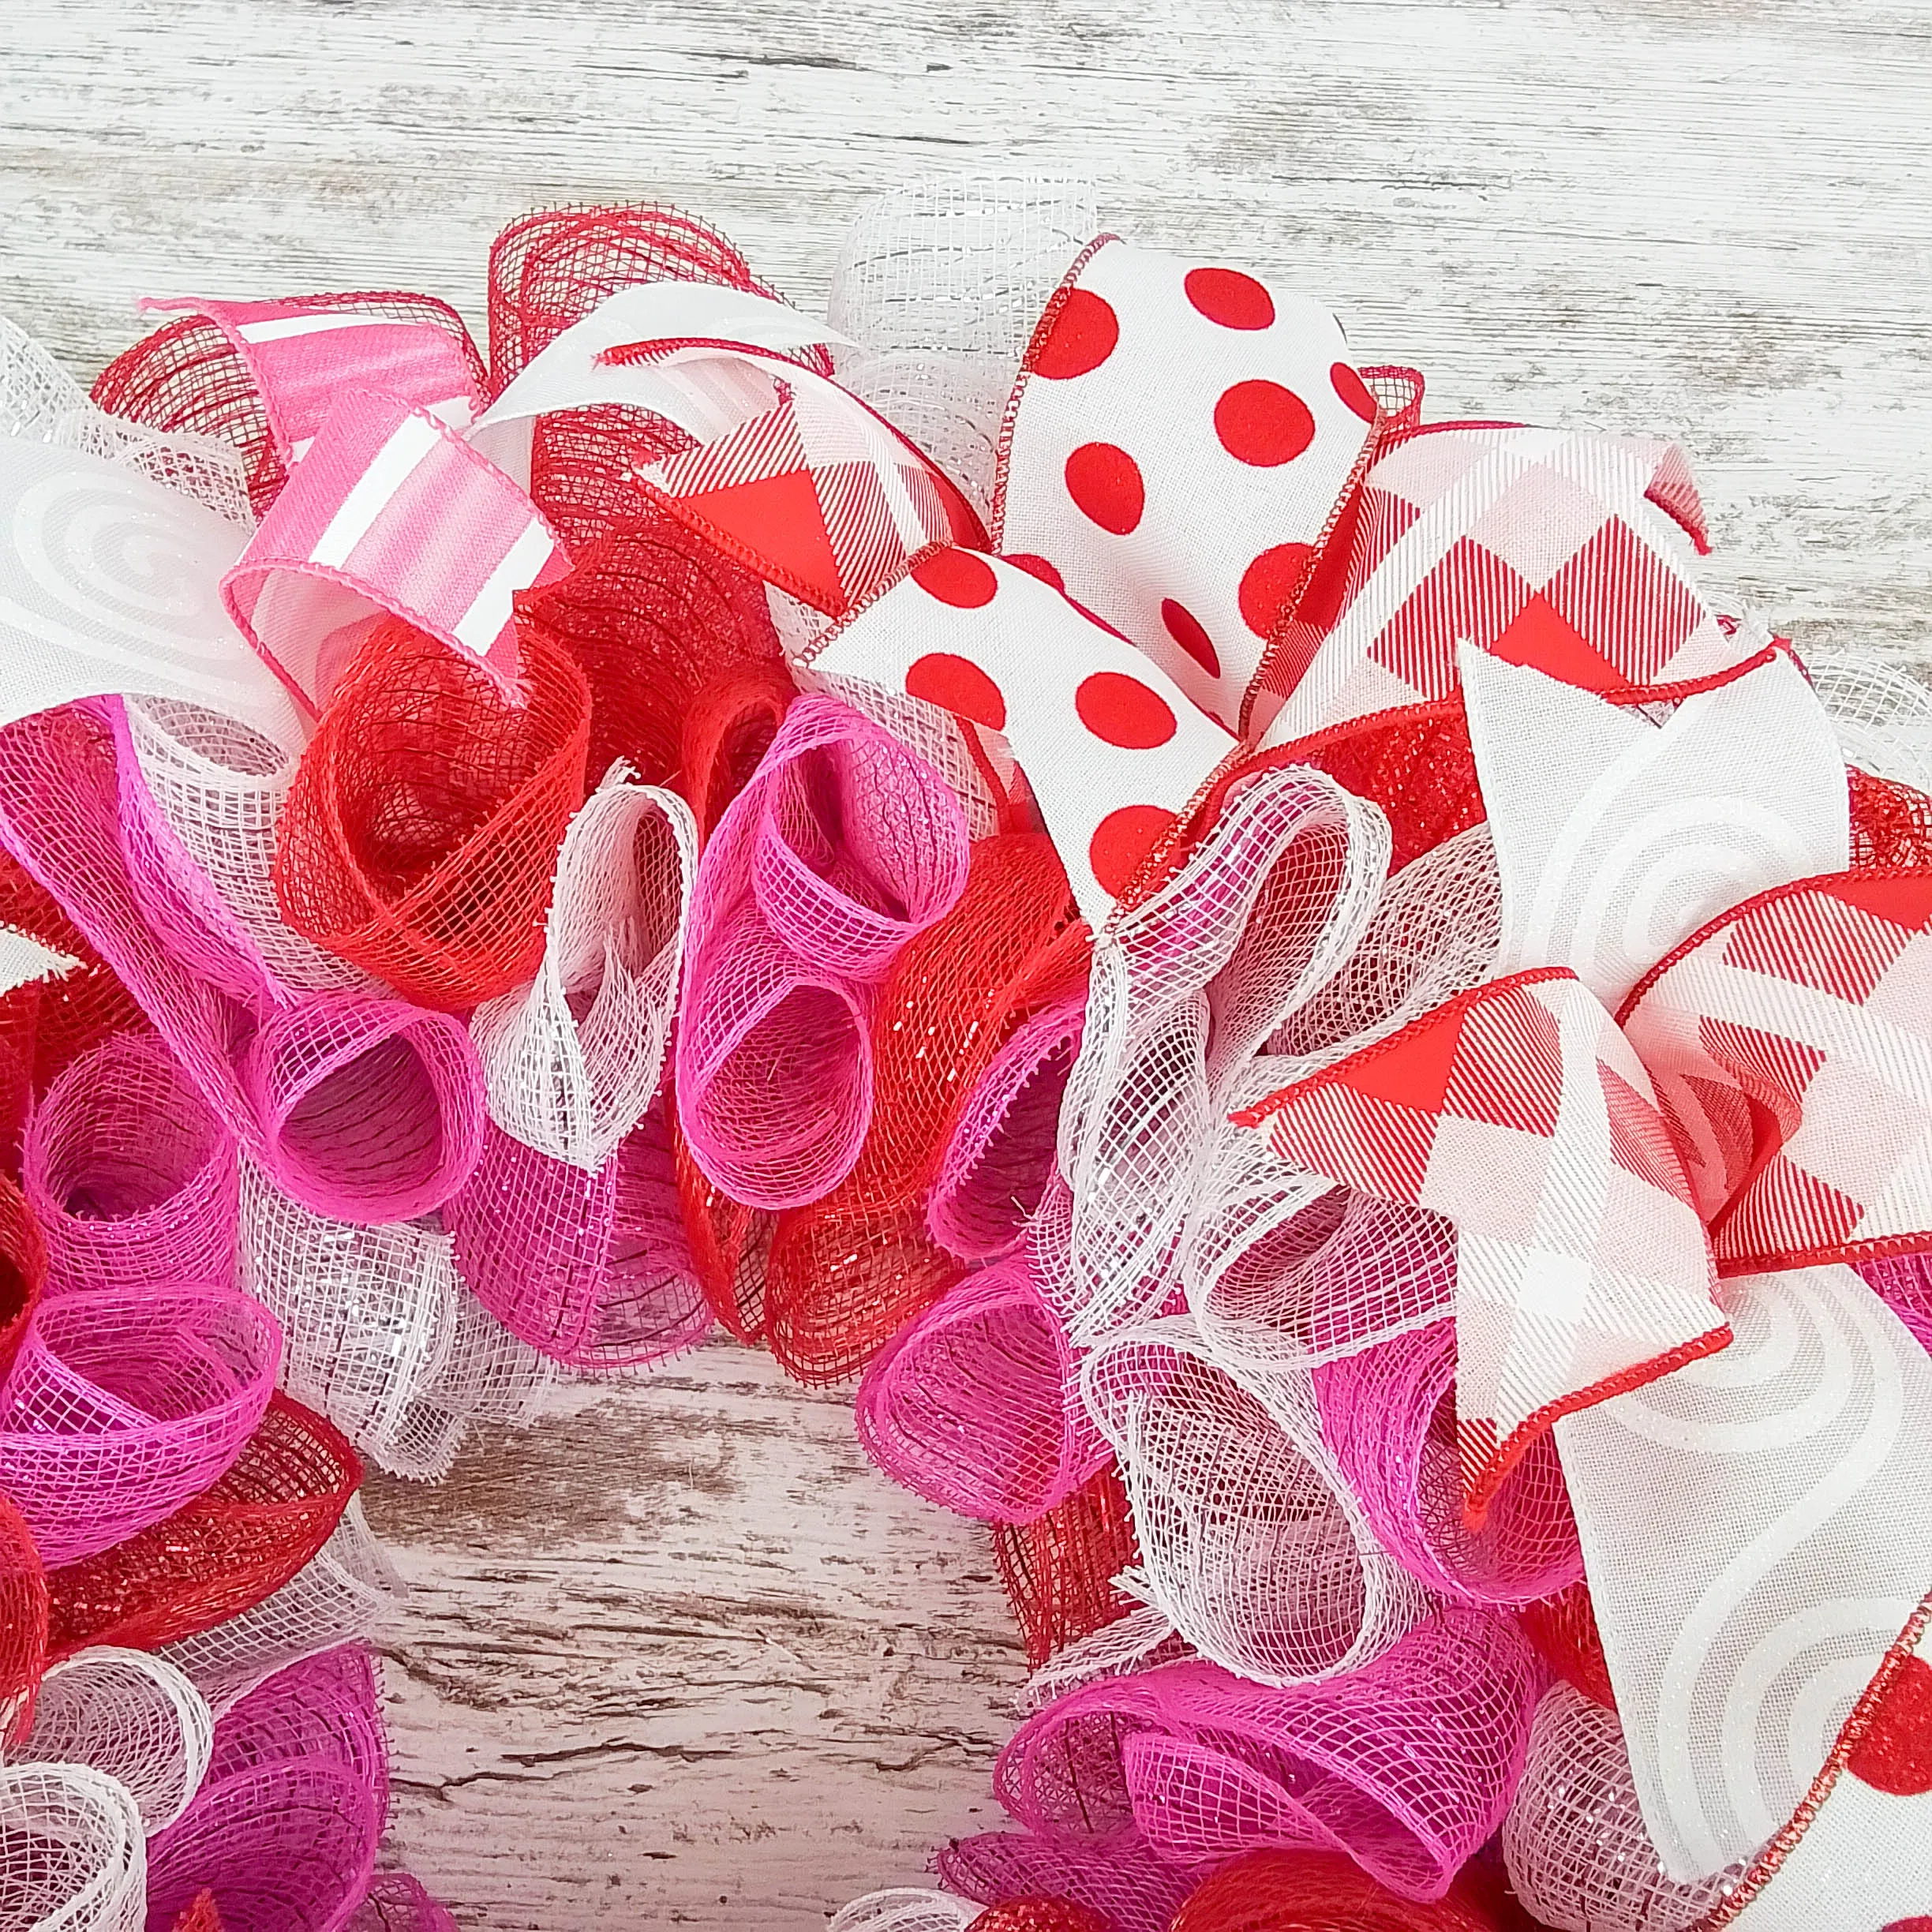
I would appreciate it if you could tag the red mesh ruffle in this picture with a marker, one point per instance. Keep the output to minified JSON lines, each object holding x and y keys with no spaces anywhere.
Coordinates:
{"x":1563,"y":1629}
{"x":22,"y":1270}
{"x":657,"y":622}
{"x":421,"y":831}
{"x":1040,"y":1915}
{"x":1323,"y":1892}
{"x":1059,"y":1569}
{"x":848,"y":1272}
{"x":236,"y":1542}
{"x":1417,"y":767}
{"x":187,"y":375}
{"x":729,"y":1244}
{"x":1891,"y":823}
{"x":23,"y":1616}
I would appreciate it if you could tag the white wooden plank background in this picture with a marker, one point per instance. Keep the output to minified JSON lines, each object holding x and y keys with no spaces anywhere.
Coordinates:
{"x":680,"y":1657}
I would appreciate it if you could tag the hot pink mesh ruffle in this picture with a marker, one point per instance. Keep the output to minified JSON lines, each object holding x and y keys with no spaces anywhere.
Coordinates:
{"x":842,"y":847}
{"x":124,"y":1404}
{"x":285,"y":1828}
{"x":975,"y":1404}
{"x":296,"y":1078}
{"x":134,"y":1181}
{"x":1407,"y":1764}
{"x":1904,"y":1285}
{"x":1388,"y":1413}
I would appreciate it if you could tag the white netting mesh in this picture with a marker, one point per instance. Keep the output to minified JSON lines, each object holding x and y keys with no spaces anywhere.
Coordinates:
{"x":136,"y":1717}
{"x":1184,"y":990}
{"x":571,"y":1062}
{"x":221,"y":788}
{"x":1252,"y":1542}
{"x":39,"y":399}
{"x":1142,"y":1639}
{"x":906,"y":1909}
{"x":344,"y":1594}
{"x":378,"y":1332}
{"x":1575,"y":1839}
{"x":73,"y":1855}
{"x":940,"y":283}
{"x":1882,"y":715}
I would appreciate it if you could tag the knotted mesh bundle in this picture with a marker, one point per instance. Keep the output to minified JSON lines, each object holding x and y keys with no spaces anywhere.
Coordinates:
{"x":72,"y":1856}
{"x":1186,"y":989}
{"x":841,"y":848}
{"x":285,"y":1828}
{"x":589,"y":1268}
{"x":1387,"y":1413}
{"x":1000,"y":1156}
{"x":131,"y":1178}
{"x":123,"y":1404}
{"x":1252,"y":1542}
{"x":1406,"y":1765}
{"x":1125,"y":1884}
{"x":263,"y":1520}
{"x":296,"y":1078}
{"x":421,"y":832}
{"x":1319,"y":1892}
{"x":846,"y":1272}
{"x":975,"y":1404}
{"x":134,"y":1715}
{"x":1574,"y":1841}
{"x":570,"y":1062}
{"x":1059,"y":1569}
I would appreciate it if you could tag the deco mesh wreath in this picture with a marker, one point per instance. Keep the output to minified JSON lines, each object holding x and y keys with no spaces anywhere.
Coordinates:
{"x":1348,"y":1065}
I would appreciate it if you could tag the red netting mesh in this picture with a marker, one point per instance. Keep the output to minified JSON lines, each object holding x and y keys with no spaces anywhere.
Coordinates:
{"x":1419,"y":768}
{"x":729,"y":1245}
{"x":1323,"y":1892}
{"x":422,"y":829}
{"x":188,"y":376}
{"x":202,"y":1914}
{"x":1891,"y":823}
{"x":848,"y":1272}
{"x":657,"y":623}
{"x":23,"y":1617}
{"x":1563,"y":1629}
{"x":22,"y":1270}
{"x":236,"y":1542}
{"x":1040,"y":1915}
{"x":1059,"y":1569}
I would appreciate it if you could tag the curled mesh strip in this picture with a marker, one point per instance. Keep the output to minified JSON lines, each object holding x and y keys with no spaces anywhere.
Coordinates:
{"x":73,"y":1853}
{"x":124,"y":1404}
{"x":1407,"y":1764}
{"x":130,"y":1175}
{"x":905,"y":1908}
{"x":135,"y":1717}
{"x":396,"y":1902}
{"x":1882,"y":715}
{"x":1186,"y":988}
{"x":842,"y":847}
{"x":1252,"y":1541}
{"x":975,"y":1404}
{"x":344,"y":1594}
{"x":1126,"y":1885}
{"x":1388,"y":1413}
{"x":1060,"y":1570}
{"x":1575,"y":1839}
{"x":571,"y":1062}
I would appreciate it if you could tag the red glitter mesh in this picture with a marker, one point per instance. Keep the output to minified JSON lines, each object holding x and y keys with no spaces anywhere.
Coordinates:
{"x":235,"y":1544}
{"x":1324,"y":1892}
{"x":730,"y":1244}
{"x":1891,"y":823}
{"x":1563,"y":1629}
{"x":550,"y":270}
{"x":654,"y":620}
{"x":1418,"y":768}
{"x":1039,"y":1914}
{"x":848,"y":1272}
{"x":421,"y":831}
{"x":22,"y":1269}
{"x":188,"y":376}
{"x":23,"y":1616}
{"x":1059,"y":1569}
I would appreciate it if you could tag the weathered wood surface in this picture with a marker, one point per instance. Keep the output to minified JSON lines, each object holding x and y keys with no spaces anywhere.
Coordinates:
{"x":680,"y":1657}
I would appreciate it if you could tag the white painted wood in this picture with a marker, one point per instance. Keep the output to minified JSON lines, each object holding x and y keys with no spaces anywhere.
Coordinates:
{"x":680,"y":1657}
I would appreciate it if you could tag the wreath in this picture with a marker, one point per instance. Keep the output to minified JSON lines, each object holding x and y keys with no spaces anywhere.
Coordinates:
{"x":1345,"y":1062}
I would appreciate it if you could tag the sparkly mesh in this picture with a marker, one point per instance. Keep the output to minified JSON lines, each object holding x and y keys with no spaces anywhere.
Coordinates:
{"x":1319,"y":1891}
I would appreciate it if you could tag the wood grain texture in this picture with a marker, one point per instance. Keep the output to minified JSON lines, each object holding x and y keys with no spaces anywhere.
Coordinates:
{"x":680,"y":1657}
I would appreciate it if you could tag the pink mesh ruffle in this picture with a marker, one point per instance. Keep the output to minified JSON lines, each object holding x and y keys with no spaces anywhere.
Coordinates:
{"x":1125,"y":1884}
{"x":1407,"y":1764}
{"x":133,"y":1179}
{"x":1388,"y":1413}
{"x":297,"y":1079}
{"x":975,"y":1404}
{"x":124,"y":1404}
{"x":842,"y":847}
